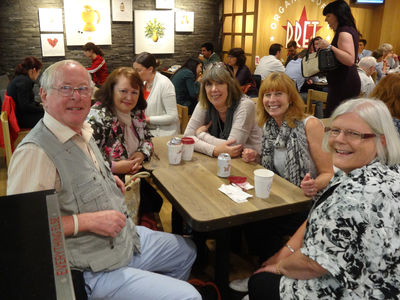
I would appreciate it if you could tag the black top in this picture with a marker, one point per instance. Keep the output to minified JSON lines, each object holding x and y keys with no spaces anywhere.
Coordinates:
{"x":27,"y":110}
{"x":344,"y":81}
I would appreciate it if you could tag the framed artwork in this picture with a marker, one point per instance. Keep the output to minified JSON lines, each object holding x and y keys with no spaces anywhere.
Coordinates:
{"x":50,"y":19}
{"x":52,"y":44}
{"x":154,"y":31}
{"x":87,"y":21}
{"x":165,"y":4}
{"x":122,"y":10}
{"x":184,"y":21}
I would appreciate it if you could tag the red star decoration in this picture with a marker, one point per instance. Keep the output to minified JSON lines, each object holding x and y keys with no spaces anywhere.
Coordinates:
{"x":309,"y":31}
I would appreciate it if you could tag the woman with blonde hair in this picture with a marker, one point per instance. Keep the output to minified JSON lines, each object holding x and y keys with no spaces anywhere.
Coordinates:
{"x":291,"y":147}
{"x":224,"y":119}
{"x":388,"y":90}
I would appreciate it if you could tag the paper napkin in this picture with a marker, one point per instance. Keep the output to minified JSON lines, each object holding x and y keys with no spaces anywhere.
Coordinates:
{"x":234,"y":192}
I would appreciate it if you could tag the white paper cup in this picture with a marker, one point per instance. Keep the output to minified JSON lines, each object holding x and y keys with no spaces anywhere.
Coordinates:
{"x":187,"y":148}
{"x":263,"y":182}
{"x":174,"y":153}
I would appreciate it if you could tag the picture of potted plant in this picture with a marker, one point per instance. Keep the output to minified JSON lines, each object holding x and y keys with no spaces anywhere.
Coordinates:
{"x":154,"y":30}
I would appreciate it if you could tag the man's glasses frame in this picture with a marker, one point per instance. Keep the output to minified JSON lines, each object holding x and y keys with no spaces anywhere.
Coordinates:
{"x":68,"y":91}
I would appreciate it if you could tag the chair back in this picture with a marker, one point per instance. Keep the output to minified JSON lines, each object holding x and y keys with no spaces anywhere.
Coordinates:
{"x":257,"y":80}
{"x":183,"y":114}
{"x":314,"y":95}
{"x":6,"y":136}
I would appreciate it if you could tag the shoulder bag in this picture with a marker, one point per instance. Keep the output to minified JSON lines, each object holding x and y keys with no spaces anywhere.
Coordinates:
{"x":321,"y":61}
{"x":132,"y":194}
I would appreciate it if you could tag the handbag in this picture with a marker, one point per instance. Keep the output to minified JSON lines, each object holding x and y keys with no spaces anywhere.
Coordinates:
{"x":321,"y":61}
{"x":132,"y":194}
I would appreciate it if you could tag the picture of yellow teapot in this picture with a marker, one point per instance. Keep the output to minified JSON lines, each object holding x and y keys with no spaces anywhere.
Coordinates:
{"x":88,"y":17}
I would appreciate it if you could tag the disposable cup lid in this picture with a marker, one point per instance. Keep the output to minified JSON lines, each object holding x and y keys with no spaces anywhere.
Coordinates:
{"x":187,"y":140}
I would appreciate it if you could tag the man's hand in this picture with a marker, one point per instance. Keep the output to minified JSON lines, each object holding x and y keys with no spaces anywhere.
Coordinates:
{"x":105,"y":222}
{"x":120,"y":184}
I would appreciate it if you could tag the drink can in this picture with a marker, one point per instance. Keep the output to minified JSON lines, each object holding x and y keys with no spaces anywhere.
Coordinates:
{"x":175,"y":141}
{"x":224,"y":165}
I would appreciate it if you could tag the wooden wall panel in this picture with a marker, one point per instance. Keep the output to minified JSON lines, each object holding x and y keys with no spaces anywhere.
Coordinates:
{"x":390,"y":29}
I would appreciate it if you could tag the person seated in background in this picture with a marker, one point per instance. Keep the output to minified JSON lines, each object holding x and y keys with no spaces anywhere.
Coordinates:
{"x":292,"y":52}
{"x":362,"y":52}
{"x":366,"y":67}
{"x":159,"y":92}
{"x":270,"y":63}
{"x":98,"y":69}
{"x":27,"y":111}
{"x":118,"y":259}
{"x":349,"y":247}
{"x":224,"y":120}
{"x":293,"y":70}
{"x":187,"y":83}
{"x":237,"y":63}
{"x":291,"y":148}
{"x":121,"y":133}
{"x":208,"y":55}
{"x":389,"y":57}
{"x":388,"y":90}
{"x":381,"y":65}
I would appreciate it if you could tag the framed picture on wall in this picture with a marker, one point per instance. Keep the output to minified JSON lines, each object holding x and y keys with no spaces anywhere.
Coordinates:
{"x":154,"y":31}
{"x":87,"y":21}
{"x":184,"y":21}
{"x":122,"y":10}
{"x":165,"y":4}
{"x":50,"y":19}
{"x":52,"y":44}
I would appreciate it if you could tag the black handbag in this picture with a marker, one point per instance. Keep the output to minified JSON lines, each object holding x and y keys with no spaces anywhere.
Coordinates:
{"x":321,"y":61}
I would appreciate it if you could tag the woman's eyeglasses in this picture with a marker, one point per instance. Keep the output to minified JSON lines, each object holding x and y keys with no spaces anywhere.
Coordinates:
{"x":349,"y":134}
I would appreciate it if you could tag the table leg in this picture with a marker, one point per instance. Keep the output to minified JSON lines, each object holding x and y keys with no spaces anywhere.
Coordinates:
{"x":222,"y":261}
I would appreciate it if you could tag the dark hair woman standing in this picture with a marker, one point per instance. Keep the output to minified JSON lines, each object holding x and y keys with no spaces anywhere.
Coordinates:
{"x":27,"y":110}
{"x":98,"y":69}
{"x":343,"y":82}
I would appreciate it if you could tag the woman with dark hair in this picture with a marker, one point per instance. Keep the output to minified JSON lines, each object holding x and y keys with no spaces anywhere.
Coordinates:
{"x":120,"y":130}
{"x":344,"y":81}
{"x":27,"y":110}
{"x":237,"y":63}
{"x":187,"y":83}
{"x":98,"y":69}
{"x":159,"y":92}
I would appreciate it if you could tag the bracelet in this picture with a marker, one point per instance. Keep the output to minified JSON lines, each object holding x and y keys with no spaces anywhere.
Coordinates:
{"x":277,"y":269}
{"x":76,"y":224}
{"x":290,"y":248}
{"x":329,"y":47}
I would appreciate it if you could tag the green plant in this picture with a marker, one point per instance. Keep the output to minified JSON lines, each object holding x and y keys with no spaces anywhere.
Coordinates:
{"x":154,"y":30}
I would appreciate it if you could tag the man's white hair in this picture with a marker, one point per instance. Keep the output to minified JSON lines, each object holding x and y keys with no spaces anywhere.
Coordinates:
{"x":367,"y":62}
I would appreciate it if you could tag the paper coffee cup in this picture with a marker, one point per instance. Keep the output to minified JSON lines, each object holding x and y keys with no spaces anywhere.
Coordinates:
{"x":263,"y":182}
{"x":187,"y":148}
{"x":174,"y":153}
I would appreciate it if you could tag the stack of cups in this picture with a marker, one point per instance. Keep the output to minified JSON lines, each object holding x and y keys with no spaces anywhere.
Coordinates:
{"x":188,"y":148}
{"x":263,"y":182}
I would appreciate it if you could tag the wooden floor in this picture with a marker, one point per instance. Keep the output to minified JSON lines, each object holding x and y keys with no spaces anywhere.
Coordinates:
{"x":241,"y":266}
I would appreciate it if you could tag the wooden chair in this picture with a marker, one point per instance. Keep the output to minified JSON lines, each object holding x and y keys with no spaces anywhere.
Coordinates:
{"x":6,"y":136}
{"x":183,"y":114}
{"x":314,"y":95}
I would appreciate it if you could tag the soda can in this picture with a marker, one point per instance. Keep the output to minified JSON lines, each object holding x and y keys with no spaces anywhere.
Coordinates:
{"x":224,"y":165}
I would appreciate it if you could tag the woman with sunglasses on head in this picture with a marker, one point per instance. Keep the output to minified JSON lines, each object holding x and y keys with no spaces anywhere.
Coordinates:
{"x":349,"y":247}
{"x":120,"y":129}
{"x":224,"y":119}
{"x":27,"y":111}
{"x":159,"y":92}
{"x":291,"y":148}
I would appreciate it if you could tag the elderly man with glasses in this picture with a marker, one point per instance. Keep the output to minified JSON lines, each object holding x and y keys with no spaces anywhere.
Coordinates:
{"x":117,"y":259}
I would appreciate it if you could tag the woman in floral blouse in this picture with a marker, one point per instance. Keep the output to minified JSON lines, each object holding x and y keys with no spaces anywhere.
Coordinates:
{"x":120,"y":130}
{"x":349,"y":248}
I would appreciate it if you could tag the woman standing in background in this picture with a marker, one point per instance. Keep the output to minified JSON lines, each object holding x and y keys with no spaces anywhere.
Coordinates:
{"x":98,"y":69}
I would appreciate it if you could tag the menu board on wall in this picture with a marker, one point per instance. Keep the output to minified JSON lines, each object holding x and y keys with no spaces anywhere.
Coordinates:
{"x":87,"y":21}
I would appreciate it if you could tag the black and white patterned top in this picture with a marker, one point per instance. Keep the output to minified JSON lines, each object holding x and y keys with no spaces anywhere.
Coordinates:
{"x":355,"y":235}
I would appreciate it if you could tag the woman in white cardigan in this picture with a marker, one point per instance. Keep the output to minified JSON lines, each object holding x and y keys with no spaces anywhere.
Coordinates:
{"x":161,"y":112}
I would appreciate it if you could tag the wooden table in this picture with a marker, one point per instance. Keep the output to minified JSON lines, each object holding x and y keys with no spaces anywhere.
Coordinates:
{"x":192,"y":188}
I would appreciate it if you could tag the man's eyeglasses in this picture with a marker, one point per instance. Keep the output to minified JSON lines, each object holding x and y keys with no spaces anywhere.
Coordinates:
{"x":349,"y":134}
{"x":68,"y":91}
